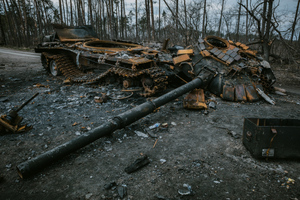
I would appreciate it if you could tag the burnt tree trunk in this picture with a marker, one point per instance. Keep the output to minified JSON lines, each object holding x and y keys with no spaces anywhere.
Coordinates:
{"x":237,"y":36}
{"x":220,"y":21}
{"x":266,"y":40}
{"x":204,"y":20}
{"x":152,"y":19}
{"x":295,"y":21}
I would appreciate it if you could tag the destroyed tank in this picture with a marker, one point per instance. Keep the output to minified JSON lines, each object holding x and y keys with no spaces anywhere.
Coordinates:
{"x":80,"y":56}
{"x":230,"y":70}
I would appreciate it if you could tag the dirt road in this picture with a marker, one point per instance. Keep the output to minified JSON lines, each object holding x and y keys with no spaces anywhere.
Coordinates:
{"x":198,"y":154}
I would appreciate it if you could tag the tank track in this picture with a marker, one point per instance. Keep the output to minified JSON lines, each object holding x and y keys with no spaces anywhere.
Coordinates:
{"x":70,"y":71}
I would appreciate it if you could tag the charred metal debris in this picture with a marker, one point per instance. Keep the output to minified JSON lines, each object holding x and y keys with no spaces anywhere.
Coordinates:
{"x":80,"y":56}
{"x":11,"y":122}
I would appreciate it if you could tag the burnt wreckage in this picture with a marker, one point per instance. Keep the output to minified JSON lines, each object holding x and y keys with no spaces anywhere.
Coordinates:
{"x":80,"y":56}
{"x":227,"y":69}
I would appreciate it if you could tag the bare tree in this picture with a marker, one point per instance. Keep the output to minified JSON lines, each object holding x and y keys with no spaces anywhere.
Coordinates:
{"x":238,"y":22}
{"x":152,"y":20}
{"x":60,"y":11}
{"x":71,"y":13}
{"x":147,"y":7}
{"x":221,"y":16}
{"x":90,"y":12}
{"x":136,"y":21}
{"x":247,"y":21}
{"x":204,"y":20}
{"x":295,"y":21}
{"x":186,"y":25}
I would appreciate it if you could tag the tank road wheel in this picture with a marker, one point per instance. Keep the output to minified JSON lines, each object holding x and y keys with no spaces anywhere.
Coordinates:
{"x":149,"y":88}
{"x":45,"y":63}
{"x":54,"y":68}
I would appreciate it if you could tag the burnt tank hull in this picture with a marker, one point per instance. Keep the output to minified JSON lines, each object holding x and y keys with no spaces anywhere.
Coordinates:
{"x":80,"y":56}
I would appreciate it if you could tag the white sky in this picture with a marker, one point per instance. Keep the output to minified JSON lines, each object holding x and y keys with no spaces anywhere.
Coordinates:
{"x":289,"y":5}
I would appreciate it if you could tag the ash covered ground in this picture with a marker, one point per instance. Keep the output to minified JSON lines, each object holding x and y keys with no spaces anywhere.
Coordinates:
{"x":198,"y":154}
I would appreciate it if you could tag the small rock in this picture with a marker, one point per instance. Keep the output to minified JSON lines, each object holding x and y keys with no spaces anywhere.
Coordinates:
{"x":162,"y":161}
{"x":138,"y":163}
{"x":186,"y":191}
{"x":77,"y":133}
{"x":212,"y":105}
{"x":217,"y":182}
{"x":3,"y":99}
{"x":173,"y":123}
{"x":110,"y":185}
{"x":234,"y":134}
{"x":160,"y":197}
{"x":122,"y":191}
{"x":88,"y":196}
{"x":141,"y":134}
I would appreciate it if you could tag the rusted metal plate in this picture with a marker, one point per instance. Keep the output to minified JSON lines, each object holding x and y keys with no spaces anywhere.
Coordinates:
{"x":238,"y":44}
{"x":240,"y":94}
{"x":225,"y":58}
{"x":218,"y":52}
{"x":228,"y":52}
{"x":237,"y":58}
{"x":245,"y":47}
{"x":251,"y":93}
{"x":213,"y":50}
{"x":233,"y":54}
{"x":149,"y":53}
{"x":236,"y":49}
{"x":202,"y":46}
{"x":138,"y":61}
{"x":181,"y":58}
{"x":253,"y":53}
{"x":228,"y":93}
{"x":230,"y":60}
{"x":195,"y":100}
{"x":205,"y":53}
{"x":231,"y":47}
{"x":185,"y":51}
{"x":221,"y":55}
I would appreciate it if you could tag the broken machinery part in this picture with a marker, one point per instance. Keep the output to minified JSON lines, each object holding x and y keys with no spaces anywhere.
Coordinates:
{"x":11,"y":121}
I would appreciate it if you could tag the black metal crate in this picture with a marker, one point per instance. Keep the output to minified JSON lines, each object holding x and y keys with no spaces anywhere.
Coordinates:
{"x":277,"y":138}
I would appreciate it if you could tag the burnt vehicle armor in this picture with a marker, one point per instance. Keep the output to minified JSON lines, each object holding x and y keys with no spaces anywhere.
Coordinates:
{"x":80,"y":56}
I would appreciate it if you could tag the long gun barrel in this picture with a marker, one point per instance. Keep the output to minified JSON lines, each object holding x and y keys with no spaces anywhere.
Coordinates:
{"x":32,"y":166}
